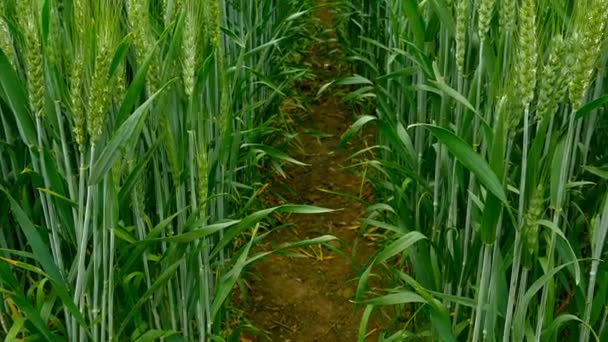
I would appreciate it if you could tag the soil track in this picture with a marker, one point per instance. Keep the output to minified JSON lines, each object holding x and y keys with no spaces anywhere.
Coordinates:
{"x":305,"y":299}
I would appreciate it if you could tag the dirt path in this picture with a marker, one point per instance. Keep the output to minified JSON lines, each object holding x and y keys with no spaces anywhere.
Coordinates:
{"x":309,"y":298}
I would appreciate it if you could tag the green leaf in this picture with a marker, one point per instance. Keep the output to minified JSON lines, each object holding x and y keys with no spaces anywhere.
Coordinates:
{"x":45,"y":21}
{"x":398,"y":246}
{"x":14,"y":330}
{"x":560,"y":320}
{"x":355,"y":127}
{"x":119,"y":141}
{"x":39,"y":248}
{"x":58,"y":196}
{"x":556,"y":171}
{"x":119,"y":54}
{"x":410,"y":7}
{"x":226,"y":283}
{"x":323,"y":239}
{"x":14,"y":94}
{"x":249,"y":221}
{"x":471,"y":160}
{"x":600,"y":172}
{"x":445,"y":89}
{"x":24,"y":266}
{"x":403,"y":297}
{"x":520,"y":313}
{"x":385,"y":226}
{"x":354,"y":80}
{"x":443,"y":12}
{"x":571,"y":255}
{"x":591,"y":106}
{"x":274,"y":153}
{"x":363,"y":323}
{"x":133,"y":94}
{"x":441,"y":321}
{"x":7,"y":279}
{"x":324,"y":87}
{"x":135,"y":254}
{"x":439,"y":314}
{"x":362,"y":284}
{"x":154,"y":335}
{"x":43,"y":256}
{"x":160,"y":281}
{"x":134,"y":176}
{"x":196,"y":234}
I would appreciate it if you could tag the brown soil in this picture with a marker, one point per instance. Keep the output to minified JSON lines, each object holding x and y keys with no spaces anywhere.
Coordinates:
{"x":310,"y":297}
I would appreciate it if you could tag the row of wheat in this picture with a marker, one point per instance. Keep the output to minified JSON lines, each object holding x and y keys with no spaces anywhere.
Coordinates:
{"x":490,"y":168}
{"x":130,"y":135}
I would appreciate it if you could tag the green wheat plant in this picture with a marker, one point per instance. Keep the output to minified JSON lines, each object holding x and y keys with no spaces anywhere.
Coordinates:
{"x":130,"y":140}
{"x":489,"y":168}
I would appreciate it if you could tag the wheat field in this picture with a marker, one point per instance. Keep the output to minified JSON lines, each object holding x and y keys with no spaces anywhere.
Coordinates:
{"x":136,"y":138}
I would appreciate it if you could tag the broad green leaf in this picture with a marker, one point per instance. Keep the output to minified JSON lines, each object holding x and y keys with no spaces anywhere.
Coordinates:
{"x":442,"y":9}
{"x":130,"y":128}
{"x":227,"y":282}
{"x":559,"y":321}
{"x":441,"y":321}
{"x":362,"y":283}
{"x":364,"y":321}
{"x":134,"y":176}
{"x":324,"y":239}
{"x":557,"y":188}
{"x":406,"y":140}
{"x":360,"y":59}
{"x":154,"y":335}
{"x":600,"y":172}
{"x":324,"y":87}
{"x":13,"y":92}
{"x":296,"y":15}
{"x":39,"y":248}
{"x":195,"y":234}
{"x":398,"y":246}
{"x":571,"y":255}
{"x":439,"y":314}
{"x":249,"y":221}
{"x":445,"y":89}
{"x":133,"y":94}
{"x":274,"y":153}
{"x":404,"y":297}
{"x":410,"y":7}
{"x":420,"y":58}
{"x":119,"y":55}
{"x":385,"y":226}
{"x":591,"y":106}
{"x":135,"y":255}
{"x":308,"y":242}
{"x":519,"y":317}
{"x":59,"y":196}
{"x":45,"y":21}
{"x":353,"y":80}
{"x":464,"y":301}
{"x":43,"y":256}
{"x":24,"y":266}
{"x":471,"y":160}
{"x":354,"y":128}
{"x":14,"y":330}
